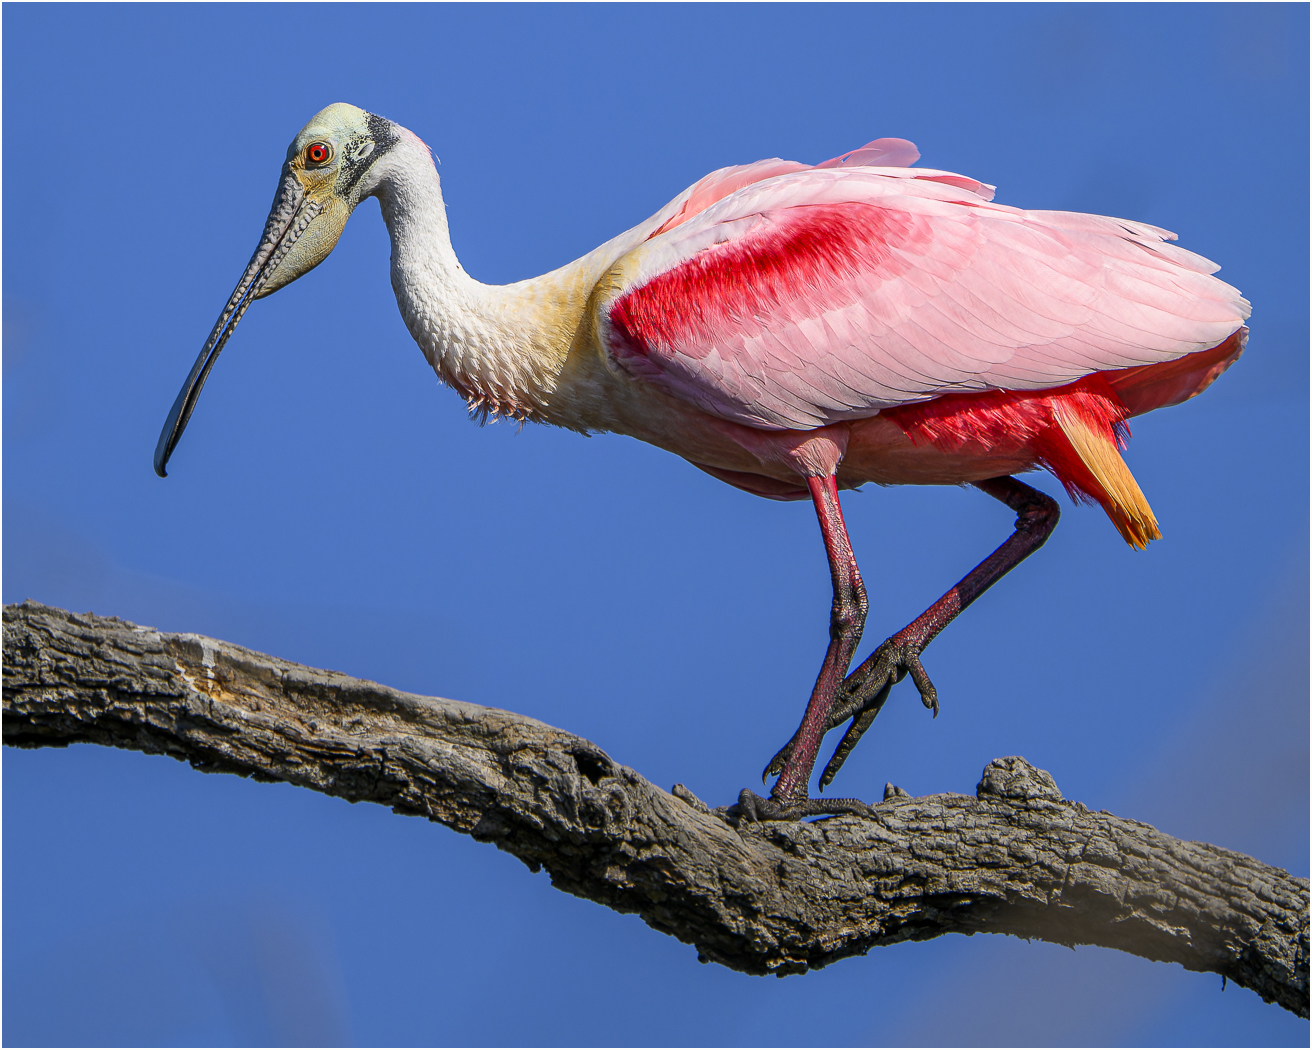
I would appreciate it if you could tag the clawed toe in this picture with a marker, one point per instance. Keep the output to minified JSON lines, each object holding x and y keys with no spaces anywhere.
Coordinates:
{"x":753,"y":808}
{"x":862,"y":721}
{"x":865,"y":692}
{"x":861,"y":698}
{"x":879,"y":672}
{"x":776,"y":764}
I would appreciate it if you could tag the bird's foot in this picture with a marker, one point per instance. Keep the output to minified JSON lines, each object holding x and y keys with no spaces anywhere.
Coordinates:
{"x":898,"y":657}
{"x":863,"y":693}
{"x":862,"y":696}
{"x":752,"y":808}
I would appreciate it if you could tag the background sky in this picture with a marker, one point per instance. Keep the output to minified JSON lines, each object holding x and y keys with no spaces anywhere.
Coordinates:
{"x":332,"y":504}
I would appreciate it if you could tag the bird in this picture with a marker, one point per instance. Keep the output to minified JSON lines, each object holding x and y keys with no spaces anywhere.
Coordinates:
{"x":795,"y":330}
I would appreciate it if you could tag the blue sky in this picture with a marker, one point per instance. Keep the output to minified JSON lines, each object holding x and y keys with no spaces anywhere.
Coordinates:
{"x":332,"y":504}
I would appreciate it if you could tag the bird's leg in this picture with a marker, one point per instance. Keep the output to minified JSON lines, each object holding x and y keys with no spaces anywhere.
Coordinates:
{"x":847,"y":616}
{"x":863,"y":693}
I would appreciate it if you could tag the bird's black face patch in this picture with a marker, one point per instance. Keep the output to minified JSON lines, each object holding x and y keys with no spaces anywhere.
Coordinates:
{"x":359,"y":154}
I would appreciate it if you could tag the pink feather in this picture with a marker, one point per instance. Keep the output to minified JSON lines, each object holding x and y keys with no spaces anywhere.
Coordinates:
{"x":787,"y":297}
{"x":884,"y":153}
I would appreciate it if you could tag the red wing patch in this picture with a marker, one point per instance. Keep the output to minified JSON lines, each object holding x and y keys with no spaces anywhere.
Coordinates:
{"x":815,"y":249}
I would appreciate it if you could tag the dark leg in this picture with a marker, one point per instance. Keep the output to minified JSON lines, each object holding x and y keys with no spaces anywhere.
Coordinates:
{"x":865,"y":690}
{"x":847,"y":616}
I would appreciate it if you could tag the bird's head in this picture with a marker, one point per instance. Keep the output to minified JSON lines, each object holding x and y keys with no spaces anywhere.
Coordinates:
{"x":331,"y":166}
{"x":325,"y":176}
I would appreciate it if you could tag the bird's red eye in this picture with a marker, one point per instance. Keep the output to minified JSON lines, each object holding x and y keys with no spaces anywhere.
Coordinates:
{"x":318,"y":152}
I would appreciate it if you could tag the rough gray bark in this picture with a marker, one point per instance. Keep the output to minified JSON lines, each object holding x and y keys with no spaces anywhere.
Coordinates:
{"x":761,"y":898}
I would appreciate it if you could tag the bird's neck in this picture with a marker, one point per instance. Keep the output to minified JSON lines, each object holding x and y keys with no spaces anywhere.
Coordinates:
{"x":501,"y":347}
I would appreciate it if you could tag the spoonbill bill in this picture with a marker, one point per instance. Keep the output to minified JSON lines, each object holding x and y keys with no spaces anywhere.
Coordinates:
{"x":794,"y":330}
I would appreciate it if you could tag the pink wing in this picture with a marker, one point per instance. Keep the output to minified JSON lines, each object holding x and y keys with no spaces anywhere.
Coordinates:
{"x":889,"y":153}
{"x":811,"y":296}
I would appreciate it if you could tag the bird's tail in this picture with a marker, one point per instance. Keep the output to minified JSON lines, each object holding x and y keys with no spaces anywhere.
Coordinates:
{"x":1076,"y":431}
{"x":1093,"y":467}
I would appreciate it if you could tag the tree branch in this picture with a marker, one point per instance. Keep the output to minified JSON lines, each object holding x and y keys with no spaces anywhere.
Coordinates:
{"x":761,"y":898}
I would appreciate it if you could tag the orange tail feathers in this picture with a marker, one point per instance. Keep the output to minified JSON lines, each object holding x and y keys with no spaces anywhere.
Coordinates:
{"x":1076,"y":431}
{"x":1113,"y":486}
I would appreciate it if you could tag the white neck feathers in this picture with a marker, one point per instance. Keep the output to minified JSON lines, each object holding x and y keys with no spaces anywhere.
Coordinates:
{"x":501,"y":347}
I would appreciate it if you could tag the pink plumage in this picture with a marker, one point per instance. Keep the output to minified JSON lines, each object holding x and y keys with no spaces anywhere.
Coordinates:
{"x":810,"y":297}
{"x":891,"y":153}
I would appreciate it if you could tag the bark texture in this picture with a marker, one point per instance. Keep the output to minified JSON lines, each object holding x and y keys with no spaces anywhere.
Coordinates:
{"x":770,"y":898}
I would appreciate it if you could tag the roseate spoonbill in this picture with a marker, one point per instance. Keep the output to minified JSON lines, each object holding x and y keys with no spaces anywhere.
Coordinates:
{"x":795,"y":330}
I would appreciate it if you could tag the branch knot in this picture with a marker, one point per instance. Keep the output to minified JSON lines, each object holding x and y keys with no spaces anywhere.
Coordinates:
{"x":1014,"y":778}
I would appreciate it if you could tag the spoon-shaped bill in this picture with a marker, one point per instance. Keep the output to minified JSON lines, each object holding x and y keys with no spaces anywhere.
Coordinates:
{"x":292,"y":212}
